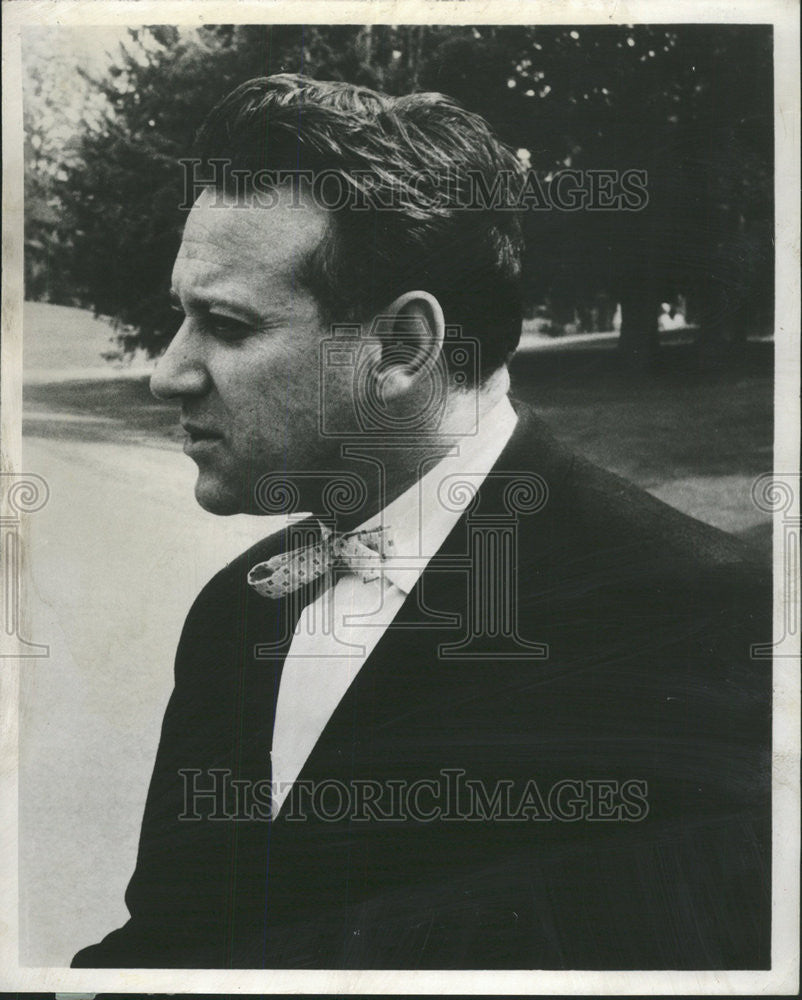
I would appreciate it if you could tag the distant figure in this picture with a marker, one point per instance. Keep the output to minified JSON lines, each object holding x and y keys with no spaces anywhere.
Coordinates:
{"x":670,"y":318}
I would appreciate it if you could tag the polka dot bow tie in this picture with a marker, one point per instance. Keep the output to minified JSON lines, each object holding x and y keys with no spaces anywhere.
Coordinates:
{"x":358,"y":552}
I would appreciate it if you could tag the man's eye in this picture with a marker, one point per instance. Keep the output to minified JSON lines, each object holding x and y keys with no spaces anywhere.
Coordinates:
{"x":227,"y":328}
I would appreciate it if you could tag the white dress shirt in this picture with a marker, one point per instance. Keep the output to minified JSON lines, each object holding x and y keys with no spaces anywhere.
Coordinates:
{"x":338,"y":631}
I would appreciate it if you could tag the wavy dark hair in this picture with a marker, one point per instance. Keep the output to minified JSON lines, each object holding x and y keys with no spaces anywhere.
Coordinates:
{"x":393,"y":151}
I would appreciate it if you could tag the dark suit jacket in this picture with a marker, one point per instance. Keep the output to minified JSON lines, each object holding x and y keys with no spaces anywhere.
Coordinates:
{"x":647,"y":685}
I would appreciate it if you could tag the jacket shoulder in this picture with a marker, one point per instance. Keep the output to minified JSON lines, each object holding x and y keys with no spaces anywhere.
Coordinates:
{"x":593,"y":512}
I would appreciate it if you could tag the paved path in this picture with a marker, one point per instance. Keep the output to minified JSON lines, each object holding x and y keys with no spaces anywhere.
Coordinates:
{"x":118,"y":554}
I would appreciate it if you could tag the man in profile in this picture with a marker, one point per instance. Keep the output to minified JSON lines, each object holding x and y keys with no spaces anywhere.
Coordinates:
{"x":485,"y":705}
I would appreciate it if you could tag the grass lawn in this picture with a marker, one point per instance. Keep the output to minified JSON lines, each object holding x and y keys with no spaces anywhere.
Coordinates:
{"x":674,"y":424}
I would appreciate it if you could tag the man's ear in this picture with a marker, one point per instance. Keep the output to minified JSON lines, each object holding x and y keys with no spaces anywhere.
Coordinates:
{"x":411,"y":330}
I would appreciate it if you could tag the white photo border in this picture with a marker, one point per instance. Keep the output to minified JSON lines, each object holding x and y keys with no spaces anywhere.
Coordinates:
{"x":783,"y":977}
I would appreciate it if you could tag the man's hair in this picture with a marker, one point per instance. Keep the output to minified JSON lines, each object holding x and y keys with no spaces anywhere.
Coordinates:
{"x":412,"y":165}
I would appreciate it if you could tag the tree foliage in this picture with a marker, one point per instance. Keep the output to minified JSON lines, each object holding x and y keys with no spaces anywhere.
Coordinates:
{"x":691,"y":105}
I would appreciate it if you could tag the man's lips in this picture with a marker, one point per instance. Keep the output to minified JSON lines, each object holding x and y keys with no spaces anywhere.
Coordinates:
{"x":196,"y":432}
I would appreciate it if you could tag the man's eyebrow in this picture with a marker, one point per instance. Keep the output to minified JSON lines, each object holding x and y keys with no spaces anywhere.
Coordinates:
{"x":207,"y":302}
{"x":212,"y":303}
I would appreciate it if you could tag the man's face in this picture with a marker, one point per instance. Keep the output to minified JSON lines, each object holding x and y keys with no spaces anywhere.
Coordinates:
{"x":245,"y":361}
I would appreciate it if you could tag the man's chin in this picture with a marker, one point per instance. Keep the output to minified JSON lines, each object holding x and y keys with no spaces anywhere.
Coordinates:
{"x":216,"y":499}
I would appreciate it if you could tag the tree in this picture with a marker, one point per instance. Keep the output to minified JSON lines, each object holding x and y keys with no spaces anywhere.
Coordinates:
{"x":50,"y":125}
{"x":693,"y":107}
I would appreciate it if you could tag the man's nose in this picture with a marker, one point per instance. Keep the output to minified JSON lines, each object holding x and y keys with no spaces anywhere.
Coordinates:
{"x":181,"y":370}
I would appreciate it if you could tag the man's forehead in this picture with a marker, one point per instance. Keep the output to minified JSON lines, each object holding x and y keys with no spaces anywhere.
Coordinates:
{"x":221,"y":236}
